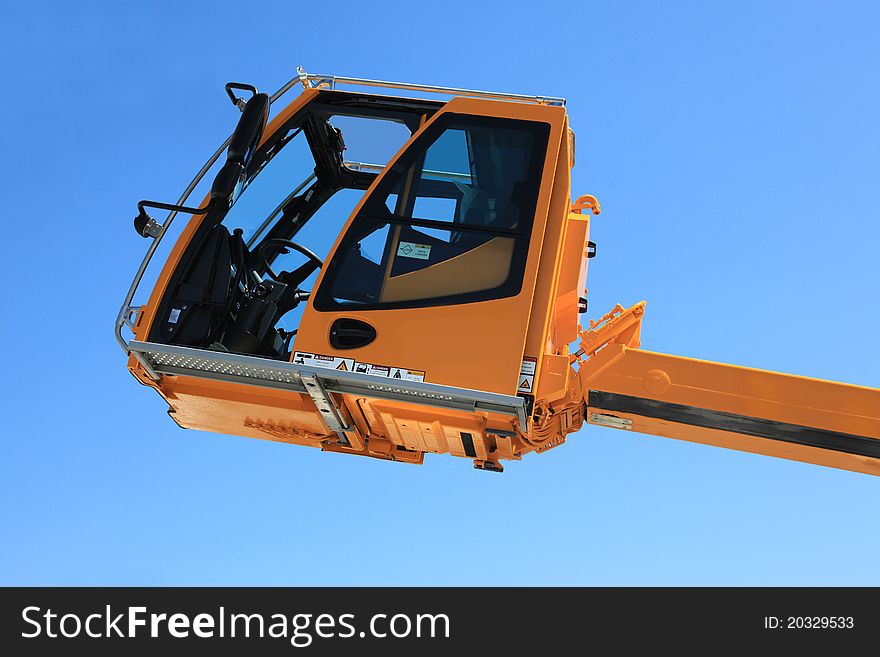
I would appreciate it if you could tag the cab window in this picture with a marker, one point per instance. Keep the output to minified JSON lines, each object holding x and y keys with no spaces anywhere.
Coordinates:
{"x":449,"y":223}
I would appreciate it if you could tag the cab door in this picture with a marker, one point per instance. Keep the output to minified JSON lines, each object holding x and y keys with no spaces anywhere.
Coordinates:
{"x":433,"y":277}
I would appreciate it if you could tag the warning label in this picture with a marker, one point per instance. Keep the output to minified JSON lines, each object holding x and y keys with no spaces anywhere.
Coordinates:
{"x":373,"y":370}
{"x":321,"y":360}
{"x":413,"y":250}
{"x":403,"y":374}
{"x":526,"y":381}
{"x":399,"y":373}
{"x":350,"y":365}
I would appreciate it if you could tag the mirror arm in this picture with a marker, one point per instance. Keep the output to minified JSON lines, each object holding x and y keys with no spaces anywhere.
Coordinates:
{"x":231,"y":176}
{"x":146,"y":226}
{"x":236,"y":100}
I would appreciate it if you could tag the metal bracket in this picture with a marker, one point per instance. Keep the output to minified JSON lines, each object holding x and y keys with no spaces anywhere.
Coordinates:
{"x":612,"y":421}
{"x":148,"y":368}
{"x":325,"y":405}
{"x":586,"y":202}
{"x":619,"y":326}
{"x":129,"y":316}
{"x":152,"y":228}
{"x":488,"y":466}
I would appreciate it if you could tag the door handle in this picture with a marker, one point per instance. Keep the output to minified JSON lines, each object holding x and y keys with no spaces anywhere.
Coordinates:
{"x":347,"y":333}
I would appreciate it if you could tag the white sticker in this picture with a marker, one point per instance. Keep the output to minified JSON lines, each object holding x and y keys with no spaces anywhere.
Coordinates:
{"x":413,"y":250}
{"x":403,"y":374}
{"x":174,"y":315}
{"x":526,"y":383}
{"x":321,"y":360}
{"x":372,"y":370}
{"x":526,"y":380}
{"x":350,"y":365}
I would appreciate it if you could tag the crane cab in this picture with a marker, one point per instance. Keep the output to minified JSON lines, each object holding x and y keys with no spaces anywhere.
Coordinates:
{"x":439,"y":318}
{"x":412,"y":286}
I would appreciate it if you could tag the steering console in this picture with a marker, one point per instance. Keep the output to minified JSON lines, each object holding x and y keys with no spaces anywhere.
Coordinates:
{"x":290,"y":278}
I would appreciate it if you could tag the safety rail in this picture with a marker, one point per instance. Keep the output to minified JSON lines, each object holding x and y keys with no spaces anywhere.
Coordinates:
{"x":312,"y":80}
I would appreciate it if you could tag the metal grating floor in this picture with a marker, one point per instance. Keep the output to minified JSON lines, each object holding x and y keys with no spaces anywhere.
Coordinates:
{"x":253,"y":370}
{"x":164,"y":361}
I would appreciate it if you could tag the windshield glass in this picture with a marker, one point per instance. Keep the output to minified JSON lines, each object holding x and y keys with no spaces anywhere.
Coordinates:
{"x":241,"y":288}
{"x":287,"y":173}
{"x":287,"y":197}
{"x":291,"y":168}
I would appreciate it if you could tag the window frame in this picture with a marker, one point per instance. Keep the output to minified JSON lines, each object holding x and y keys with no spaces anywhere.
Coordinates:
{"x":374,"y":214}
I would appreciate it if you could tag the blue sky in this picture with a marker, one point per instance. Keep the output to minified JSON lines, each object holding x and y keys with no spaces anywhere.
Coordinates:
{"x":734,"y":147}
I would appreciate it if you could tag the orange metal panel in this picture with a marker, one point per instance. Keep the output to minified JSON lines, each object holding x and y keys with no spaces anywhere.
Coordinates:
{"x":782,"y":405}
{"x":475,"y":345}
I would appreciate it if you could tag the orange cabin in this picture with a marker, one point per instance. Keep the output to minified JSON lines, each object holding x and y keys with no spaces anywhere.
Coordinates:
{"x":441,"y":317}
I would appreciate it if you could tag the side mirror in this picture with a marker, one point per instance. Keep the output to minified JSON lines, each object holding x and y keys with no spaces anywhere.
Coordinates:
{"x":254,"y":117}
{"x":230,"y":179}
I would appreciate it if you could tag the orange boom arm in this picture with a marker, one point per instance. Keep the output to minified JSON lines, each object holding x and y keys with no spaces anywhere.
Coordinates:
{"x":792,"y":417}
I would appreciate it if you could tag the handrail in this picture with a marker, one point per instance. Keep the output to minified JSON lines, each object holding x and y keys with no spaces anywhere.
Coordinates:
{"x":126,"y":305}
{"x":312,"y":80}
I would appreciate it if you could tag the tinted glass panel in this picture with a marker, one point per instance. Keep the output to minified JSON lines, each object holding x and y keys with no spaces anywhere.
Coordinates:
{"x":370,"y":141}
{"x":289,"y":168}
{"x":449,"y":223}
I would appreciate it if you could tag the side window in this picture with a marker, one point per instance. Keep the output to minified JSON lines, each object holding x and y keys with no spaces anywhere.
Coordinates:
{"x":450,"y":223}
{"x":370,"y":143}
